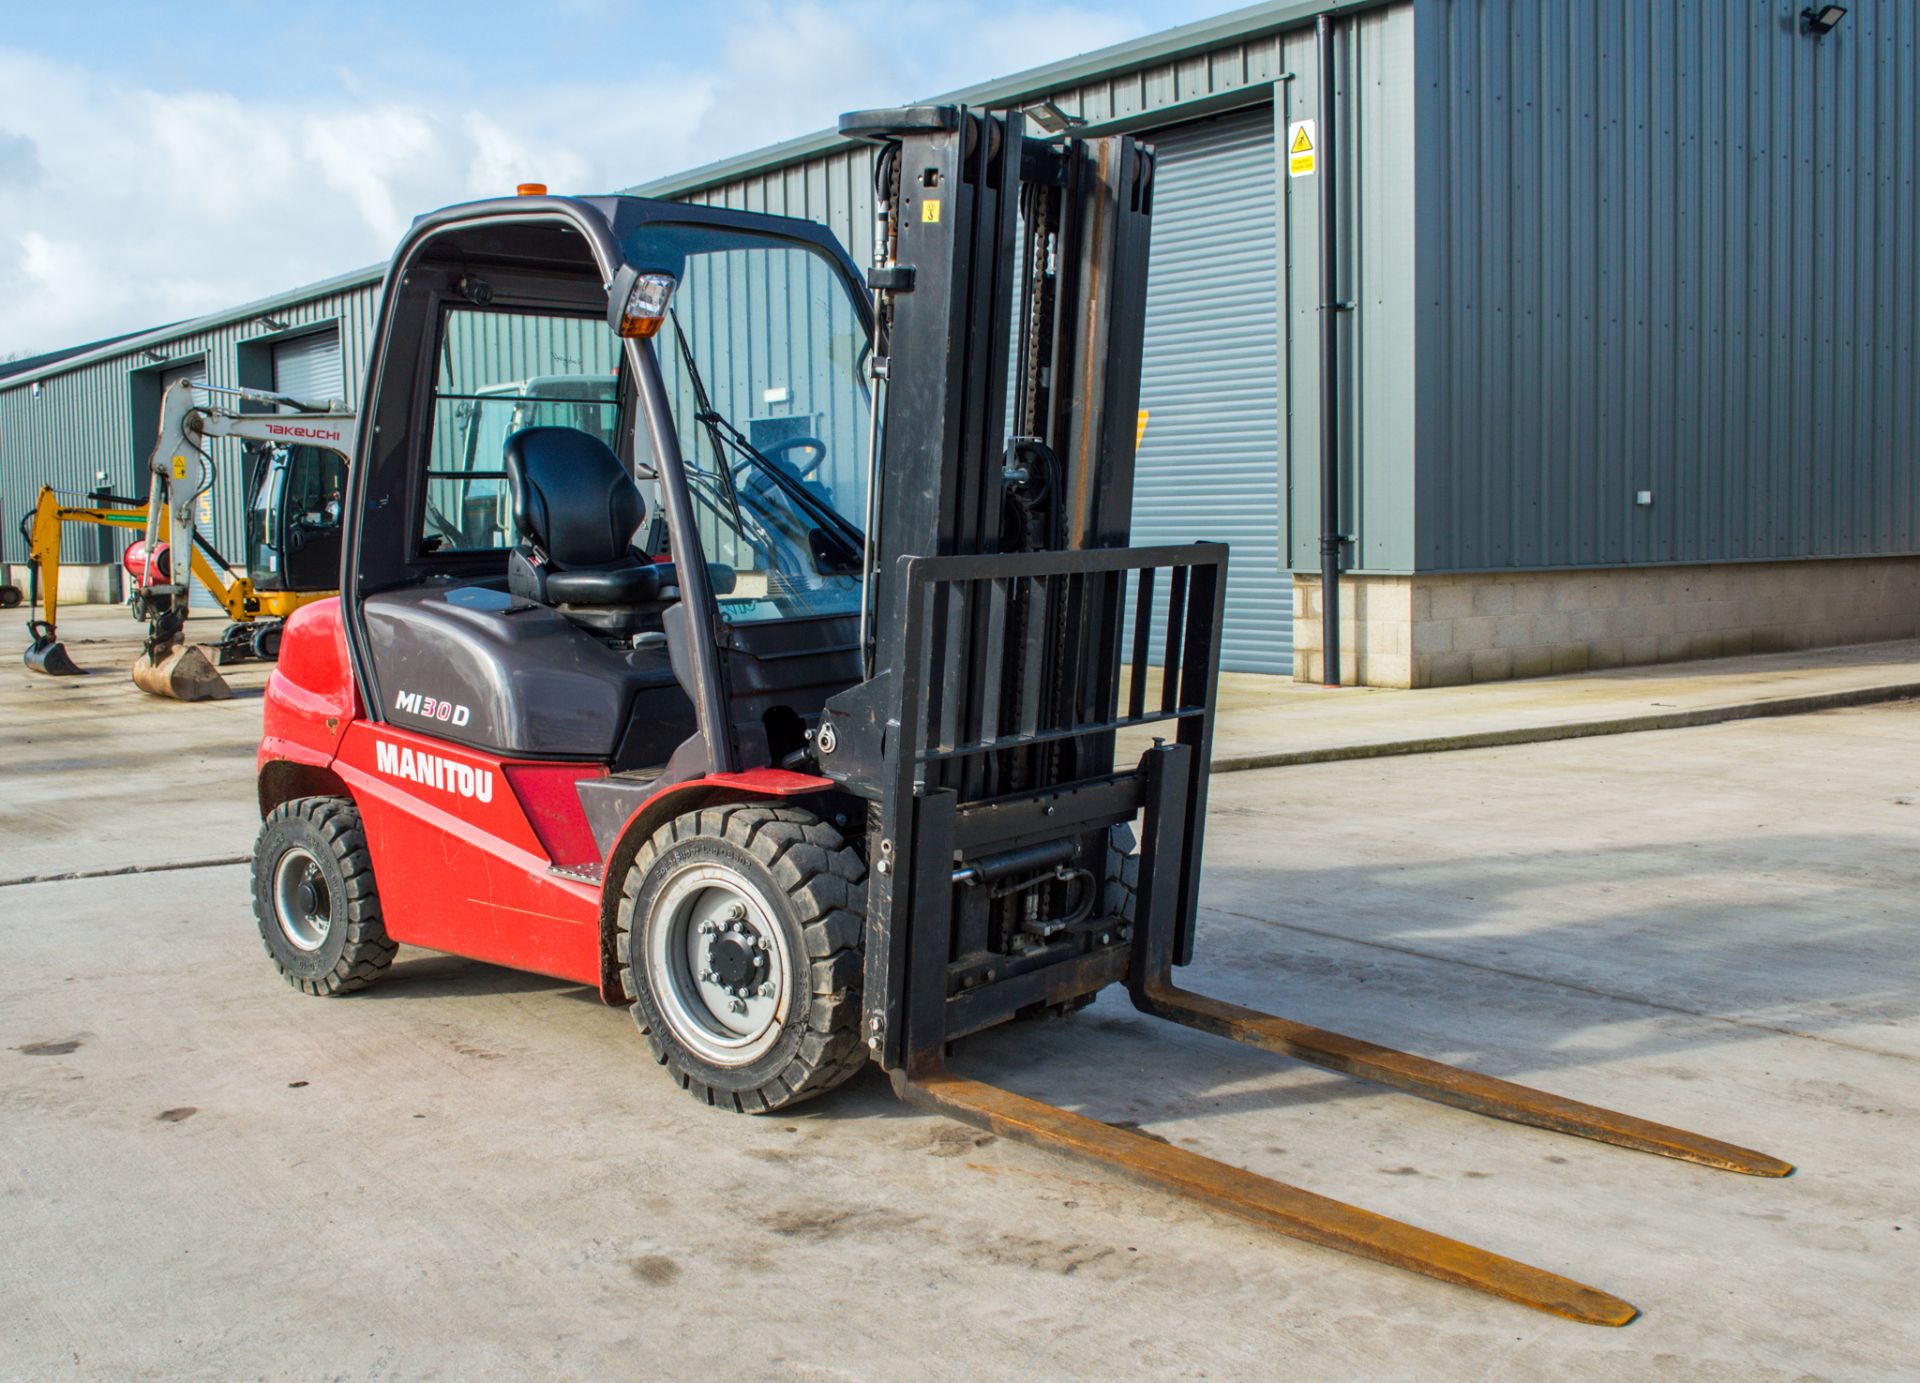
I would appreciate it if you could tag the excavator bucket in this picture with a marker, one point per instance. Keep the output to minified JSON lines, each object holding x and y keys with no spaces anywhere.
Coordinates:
{"x":182,"y":673}
{"x":47,"y":654}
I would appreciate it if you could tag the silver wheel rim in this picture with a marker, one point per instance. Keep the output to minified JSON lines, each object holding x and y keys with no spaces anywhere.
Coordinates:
{"x":302,"y":902}
{"x":705,"y":923}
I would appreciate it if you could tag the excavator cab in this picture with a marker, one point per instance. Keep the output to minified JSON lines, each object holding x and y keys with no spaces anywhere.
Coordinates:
{"x":298,"y":497}
{"x":766,"y":650}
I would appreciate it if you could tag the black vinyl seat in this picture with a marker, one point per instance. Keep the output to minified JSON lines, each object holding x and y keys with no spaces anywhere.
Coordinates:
{"x":577,"y":510}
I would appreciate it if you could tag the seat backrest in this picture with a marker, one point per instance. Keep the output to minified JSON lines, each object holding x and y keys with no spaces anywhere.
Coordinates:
{"x":572,"y":498}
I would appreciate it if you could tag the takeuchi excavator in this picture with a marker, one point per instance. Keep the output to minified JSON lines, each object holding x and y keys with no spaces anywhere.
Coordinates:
{"x":777,"y":689}
{"x":293,"y":530}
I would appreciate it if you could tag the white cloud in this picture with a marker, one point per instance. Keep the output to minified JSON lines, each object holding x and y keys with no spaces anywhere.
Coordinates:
{"x":123,"y":207}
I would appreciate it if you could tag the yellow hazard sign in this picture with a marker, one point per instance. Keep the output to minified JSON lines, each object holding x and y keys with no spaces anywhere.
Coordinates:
{"x":930,"y":210}
{"x":179,"y":468}
{"x":1302,"y":150}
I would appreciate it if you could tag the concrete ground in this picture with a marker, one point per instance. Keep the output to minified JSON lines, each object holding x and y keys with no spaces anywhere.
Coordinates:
{"x":468,"y":1172}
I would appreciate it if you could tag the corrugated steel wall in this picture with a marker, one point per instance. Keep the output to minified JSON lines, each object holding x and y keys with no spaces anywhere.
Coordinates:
{"x":1238,"y":465}
{"x":78,"y":433}
{"x":1668,"y":245}
{"x":1663,"y":245}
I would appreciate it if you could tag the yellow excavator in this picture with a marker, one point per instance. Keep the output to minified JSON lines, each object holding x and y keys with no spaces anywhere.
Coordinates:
{"x":292,"y":537}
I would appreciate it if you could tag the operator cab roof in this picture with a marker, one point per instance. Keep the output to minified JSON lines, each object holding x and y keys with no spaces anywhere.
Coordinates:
{"x":643,"y":233}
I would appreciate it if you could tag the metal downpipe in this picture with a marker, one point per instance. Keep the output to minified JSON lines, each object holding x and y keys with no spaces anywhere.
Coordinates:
{"x":1330,"y":536}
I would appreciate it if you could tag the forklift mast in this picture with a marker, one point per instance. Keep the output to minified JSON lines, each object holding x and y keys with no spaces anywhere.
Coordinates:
{"x":1000,"y":553}
{"x":1014,"y":635}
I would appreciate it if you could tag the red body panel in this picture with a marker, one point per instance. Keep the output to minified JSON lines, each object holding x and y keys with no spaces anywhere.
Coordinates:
{"x":550,"y":796}
{"x":310,"y":696}
{"x":458,"y":863}
{"x":463,"y":842}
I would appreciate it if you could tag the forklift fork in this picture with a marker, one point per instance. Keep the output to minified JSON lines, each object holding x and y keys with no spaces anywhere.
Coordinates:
{"x":1443,"y":1084}
{"x":1165,"y":896}
{"x":1274,"y":1205}
{"x":1270,"y":1204}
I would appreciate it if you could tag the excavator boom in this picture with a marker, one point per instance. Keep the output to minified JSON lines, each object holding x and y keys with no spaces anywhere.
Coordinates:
{"x":180,"y":469}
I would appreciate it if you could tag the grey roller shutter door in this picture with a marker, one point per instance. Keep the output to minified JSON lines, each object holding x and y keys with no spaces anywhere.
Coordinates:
{"x":197,"y":372}
{"x":308,"y":367}
{"x":1210,"y":463}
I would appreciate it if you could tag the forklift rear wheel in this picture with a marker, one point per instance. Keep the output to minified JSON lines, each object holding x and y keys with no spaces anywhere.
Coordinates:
{"x":314,"y":898}
{"x":740,"y":932}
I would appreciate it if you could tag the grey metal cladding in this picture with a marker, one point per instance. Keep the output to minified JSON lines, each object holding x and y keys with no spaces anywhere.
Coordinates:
{"x":1376,"y":151}
{"x":1666,"y":245}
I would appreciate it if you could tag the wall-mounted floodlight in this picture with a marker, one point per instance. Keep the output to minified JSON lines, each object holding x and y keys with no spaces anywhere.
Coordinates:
{"x":1051,"y":118}
{"x":1821,"y":20}
{"x":151,"y":354}
{"x":270,"y":323}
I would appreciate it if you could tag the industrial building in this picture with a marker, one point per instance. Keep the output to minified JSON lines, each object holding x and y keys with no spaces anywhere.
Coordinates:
{"x":1623,"y":324}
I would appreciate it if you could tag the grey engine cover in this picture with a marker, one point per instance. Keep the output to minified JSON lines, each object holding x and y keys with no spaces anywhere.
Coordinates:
{"x":480,"y":667}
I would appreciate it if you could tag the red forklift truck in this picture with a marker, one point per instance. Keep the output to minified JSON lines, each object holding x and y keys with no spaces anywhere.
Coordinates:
{"x":774,"y":689}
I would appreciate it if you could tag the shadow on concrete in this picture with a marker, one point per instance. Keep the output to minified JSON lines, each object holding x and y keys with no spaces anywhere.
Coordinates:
{"x":1522,"y":1002}
{"x":435,"y":976}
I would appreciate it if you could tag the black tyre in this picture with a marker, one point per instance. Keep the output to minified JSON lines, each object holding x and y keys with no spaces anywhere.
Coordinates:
{"x":740,"y":933}
{"x":1123,"y":873}
{"x":314,"y":898}
{"x":9,"y":597}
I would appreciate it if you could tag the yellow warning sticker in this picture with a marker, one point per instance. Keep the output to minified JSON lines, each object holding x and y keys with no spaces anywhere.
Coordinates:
{"x":930,"y":210}
{"x":1302,"y":150}
{"x":179,"y":468}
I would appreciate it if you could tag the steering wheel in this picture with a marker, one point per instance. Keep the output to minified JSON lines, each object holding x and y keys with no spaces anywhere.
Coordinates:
{"x":775,"y":449}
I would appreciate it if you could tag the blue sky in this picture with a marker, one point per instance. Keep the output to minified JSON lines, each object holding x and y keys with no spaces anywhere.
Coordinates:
{"x":155,"y":165}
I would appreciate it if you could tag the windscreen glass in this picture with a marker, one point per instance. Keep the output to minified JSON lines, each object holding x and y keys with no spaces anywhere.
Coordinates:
{"x":297,"y":500}
{"x":763,"y":356}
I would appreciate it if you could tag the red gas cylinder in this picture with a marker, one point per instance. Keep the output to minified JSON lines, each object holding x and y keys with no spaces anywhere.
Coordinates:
{"x":135,"y":561}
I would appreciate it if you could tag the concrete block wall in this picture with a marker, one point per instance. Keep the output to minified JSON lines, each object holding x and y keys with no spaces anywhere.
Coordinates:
{"x":81,"y":583}
{"x":1448,"y":629}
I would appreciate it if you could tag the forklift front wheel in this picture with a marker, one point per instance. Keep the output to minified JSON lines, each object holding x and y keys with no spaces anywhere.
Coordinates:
{"x":740,"y":941}
{"x":314,"y":898}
